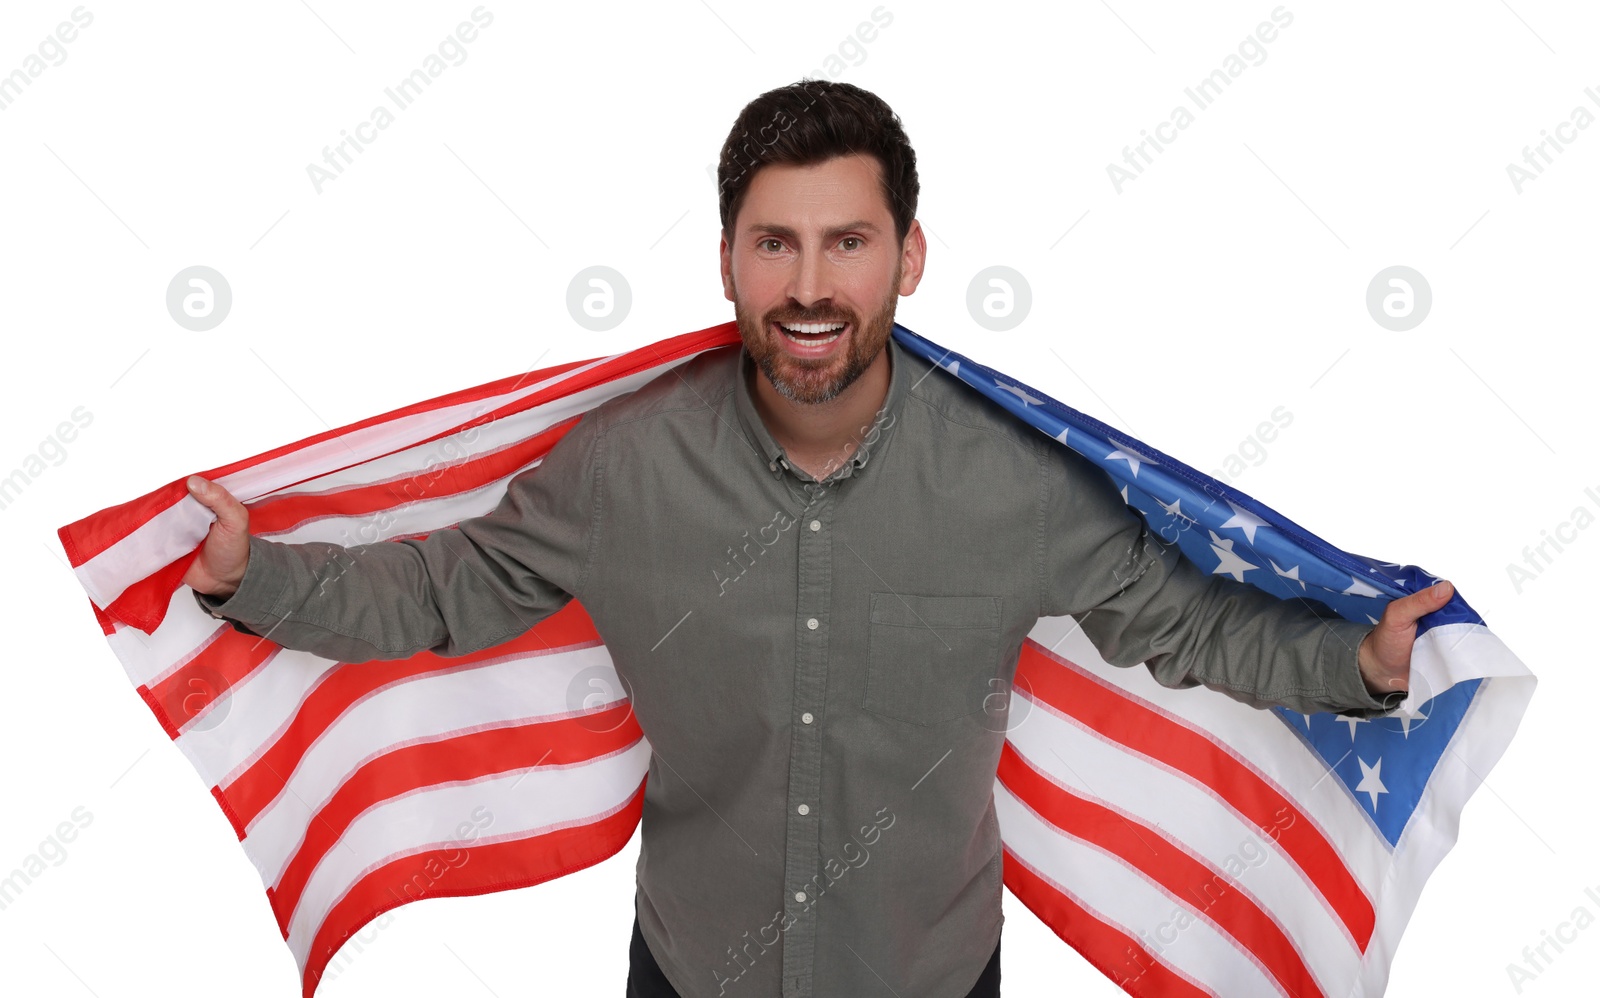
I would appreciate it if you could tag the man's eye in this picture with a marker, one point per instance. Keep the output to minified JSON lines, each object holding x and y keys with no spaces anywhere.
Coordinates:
{"x":850,"y":239}
{"x":772,"y":245}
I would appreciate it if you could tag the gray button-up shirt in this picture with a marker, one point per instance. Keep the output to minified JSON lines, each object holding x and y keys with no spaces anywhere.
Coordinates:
{"x":815,"y":664}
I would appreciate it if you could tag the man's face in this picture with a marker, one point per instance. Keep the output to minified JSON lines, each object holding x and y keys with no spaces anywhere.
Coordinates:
{"x":814,"y":247}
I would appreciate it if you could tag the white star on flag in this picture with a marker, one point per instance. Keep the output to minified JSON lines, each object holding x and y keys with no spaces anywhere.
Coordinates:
{"x":1244,"y":520}
{"x":1228,"y":563}
{"x":1131,"y":456}
{"x":1370,"y":784}
{"x":1019,"y":393}
{"x":1406,"y":719}
{"x":1292,"y":574}
{"x":1173,"y":510}
{"x":1359,"y":588}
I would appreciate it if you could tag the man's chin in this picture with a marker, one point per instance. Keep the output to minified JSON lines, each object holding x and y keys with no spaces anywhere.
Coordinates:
{"x":805,"y":383}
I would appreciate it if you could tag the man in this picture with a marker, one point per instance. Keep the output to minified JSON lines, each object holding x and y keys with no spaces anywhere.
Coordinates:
{"x":814,"y":565}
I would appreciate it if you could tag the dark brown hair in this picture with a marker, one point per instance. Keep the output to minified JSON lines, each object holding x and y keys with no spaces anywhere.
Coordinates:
{"x":809,"y":122}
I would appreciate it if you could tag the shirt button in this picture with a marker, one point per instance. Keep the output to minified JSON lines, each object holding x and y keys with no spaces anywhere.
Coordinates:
{"x":803,"y":809}
{"x":806,"y":717}
{"x":799,"y":895}
{"x":812,"y":623}
{"x":816,"y":524}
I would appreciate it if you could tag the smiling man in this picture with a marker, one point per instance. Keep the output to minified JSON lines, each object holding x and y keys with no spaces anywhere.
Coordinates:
{"x":821,"y":261}
{"x":818,"y":817}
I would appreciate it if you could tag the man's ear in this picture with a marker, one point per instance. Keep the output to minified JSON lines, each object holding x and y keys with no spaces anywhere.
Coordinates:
{"x":913,"y":256}
{"x":726,"y":253}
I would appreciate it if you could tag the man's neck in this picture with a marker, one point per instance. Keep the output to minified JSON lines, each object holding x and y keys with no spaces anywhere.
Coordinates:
{"x":821,"y":436}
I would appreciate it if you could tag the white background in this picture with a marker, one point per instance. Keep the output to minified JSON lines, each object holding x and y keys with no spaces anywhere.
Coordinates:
{"x":1227,"y":280}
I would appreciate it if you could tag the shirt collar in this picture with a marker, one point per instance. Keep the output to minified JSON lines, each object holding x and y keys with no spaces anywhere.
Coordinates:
{"x":868,"y":442}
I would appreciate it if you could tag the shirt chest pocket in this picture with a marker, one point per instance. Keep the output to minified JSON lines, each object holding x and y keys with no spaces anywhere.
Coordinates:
{"x":930,"y":658}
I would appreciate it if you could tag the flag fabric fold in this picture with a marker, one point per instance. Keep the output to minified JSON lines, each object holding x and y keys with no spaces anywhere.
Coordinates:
{"x":1182,"y":842}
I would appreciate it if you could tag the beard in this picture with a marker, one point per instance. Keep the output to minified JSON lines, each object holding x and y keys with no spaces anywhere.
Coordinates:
{"x":811,"y":380}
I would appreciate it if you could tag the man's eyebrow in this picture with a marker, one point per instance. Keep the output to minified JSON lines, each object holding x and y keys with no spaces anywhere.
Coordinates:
{"x":859,"y":225}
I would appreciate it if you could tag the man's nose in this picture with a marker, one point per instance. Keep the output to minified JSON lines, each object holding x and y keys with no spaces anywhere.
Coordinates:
{"x":812,"y":280}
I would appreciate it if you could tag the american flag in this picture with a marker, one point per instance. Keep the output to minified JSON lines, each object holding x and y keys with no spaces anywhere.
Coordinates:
{"x":1182,"y":842}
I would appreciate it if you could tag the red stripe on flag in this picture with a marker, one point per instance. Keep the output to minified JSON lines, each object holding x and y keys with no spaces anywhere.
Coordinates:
{"x":233,"y":819}
{"x":1113,"y":952}
{"x":145,"y":605}
{"x":1194,"y":884}
{"x":1140,"y":728}
{"x":264,"y":777}
{"x":107,"y":624}
{"x":277,"y":515}
{"x":496,"y":866}
{"x":461,"y":758}
{"x":84,"y":539}
{"x":221,"y":663}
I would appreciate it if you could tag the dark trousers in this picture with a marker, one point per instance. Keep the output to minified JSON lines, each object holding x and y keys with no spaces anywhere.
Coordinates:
{"x":645,"y":979}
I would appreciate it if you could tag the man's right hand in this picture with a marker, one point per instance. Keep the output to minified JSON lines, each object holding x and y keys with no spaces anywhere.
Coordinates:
{"x":219,"y":566}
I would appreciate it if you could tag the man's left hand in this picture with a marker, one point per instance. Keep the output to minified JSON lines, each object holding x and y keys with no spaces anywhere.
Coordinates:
{"x":1385,"y":652}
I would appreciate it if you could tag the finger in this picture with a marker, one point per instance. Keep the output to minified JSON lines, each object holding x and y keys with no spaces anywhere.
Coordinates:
{"x":230,"y":512}
{"x":1408,"y":608}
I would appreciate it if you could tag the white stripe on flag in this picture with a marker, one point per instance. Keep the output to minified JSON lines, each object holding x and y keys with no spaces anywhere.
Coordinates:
{"x":1197,"y":821}
{"x":1258,"y":738}
{"x":1127,"y":900}
{"x":420,"y":516}
{"x":520,"y":803}
{"x":363,"y":445}
{"x":175,"y":531}
{"x":423,"y":708}
{"x":257,"y":712}
{"x":454,"y":448}
{"x":151,"y":657}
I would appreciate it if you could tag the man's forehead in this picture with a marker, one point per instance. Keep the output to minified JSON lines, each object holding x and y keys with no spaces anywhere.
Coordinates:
{"x":850,"y":184}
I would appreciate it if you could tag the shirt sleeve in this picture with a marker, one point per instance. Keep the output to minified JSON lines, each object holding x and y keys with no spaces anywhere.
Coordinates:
{"x":454,"y":591}
{"x":1139,"y":600}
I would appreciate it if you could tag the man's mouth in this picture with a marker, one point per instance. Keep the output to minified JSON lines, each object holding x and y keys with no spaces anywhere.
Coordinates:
{"x":811,"y":334}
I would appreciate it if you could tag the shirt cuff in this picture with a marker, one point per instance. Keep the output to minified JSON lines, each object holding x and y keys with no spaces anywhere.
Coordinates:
{"x":250,"y":608}
{"x":1343,"y":668}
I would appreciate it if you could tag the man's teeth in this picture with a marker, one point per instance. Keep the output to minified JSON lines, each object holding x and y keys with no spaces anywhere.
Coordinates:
{"x":813,"y":327}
